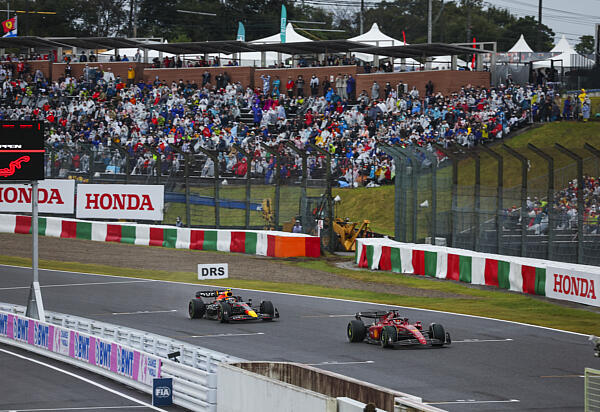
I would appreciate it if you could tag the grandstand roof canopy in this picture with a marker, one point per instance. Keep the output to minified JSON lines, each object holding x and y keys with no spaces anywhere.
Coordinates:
{"x":28,"y":41}
{"x":310,"y":47}
{"x":94,"y":43}
{"x":223,"y":46}
{"x":420,"y":50}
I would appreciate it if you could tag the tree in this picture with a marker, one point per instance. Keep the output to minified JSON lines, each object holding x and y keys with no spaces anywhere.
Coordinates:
{"x":530,"y":28}
{"x":585,"y":45}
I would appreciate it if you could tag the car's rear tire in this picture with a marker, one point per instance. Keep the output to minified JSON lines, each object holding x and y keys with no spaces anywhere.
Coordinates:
{"x":436,"y":331}
{"x":196,"y":309}
{"x":356,"y":331}
{"x":224,"y":312}
{"x":267,"y":308}
{"x":389,"y":336}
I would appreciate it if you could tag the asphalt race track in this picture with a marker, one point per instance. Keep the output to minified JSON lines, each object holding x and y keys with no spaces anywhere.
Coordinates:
{"x":491,"y":365}
{"x":31,"y":382}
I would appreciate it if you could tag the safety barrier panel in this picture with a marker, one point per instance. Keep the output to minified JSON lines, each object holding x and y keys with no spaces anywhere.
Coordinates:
{"x":557,"y":280}
{"x":254,"y":242}
{"x":126,"y":355}
{"x":592,"y":390}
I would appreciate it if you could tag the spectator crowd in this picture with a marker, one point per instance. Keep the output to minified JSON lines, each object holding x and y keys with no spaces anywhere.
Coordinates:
{"x":153,"y":121}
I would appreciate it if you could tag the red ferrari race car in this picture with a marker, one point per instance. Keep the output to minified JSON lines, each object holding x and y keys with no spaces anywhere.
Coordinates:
{"x":225,"y":307}
{"x":389,"y":329}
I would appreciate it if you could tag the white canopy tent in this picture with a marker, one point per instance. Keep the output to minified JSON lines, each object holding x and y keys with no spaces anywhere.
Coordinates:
{"x":376,"y":37}
{"x":521,"y":46}
{"x":445,"y":63}
{"x":254,"y":58}
{"x":569,"y":60}
{"x":562,"y":46}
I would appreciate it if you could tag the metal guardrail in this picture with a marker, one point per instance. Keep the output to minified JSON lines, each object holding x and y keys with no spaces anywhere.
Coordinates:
{"x":194,"y":375}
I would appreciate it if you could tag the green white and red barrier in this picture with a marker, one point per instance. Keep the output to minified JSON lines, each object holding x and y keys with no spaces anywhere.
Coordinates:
{"x":559,"y":280}
{"x":254,"y":242}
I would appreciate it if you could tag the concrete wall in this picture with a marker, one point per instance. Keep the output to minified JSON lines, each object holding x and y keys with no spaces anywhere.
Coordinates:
{"x":322,"y":73}
{"x":245,"y":75}
{"x":242,"y":391}
{"x":118,"y":68}
{"x":325,"y":382}
{"x":445,"y":81}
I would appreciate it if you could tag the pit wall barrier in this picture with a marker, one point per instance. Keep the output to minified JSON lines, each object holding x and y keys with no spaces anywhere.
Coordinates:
{"x":253,"y":242}
{"x":125,"y":355}
{"x":557,"y":280}
{"x":294,"y":387}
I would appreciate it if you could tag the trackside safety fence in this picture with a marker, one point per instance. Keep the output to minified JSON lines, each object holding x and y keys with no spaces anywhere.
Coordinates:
{"x":558,"y":280}
{"x":592,"y":390}
{"x":254,"y":242}
{"x":125,"y":355}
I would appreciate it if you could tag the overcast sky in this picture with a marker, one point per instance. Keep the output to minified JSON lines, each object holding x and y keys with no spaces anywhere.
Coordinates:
{"x":573,"y":18}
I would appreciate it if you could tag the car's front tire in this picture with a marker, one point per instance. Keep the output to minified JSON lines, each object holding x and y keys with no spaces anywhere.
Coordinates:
{"x":436,"y":331}
{"x":224,"y":312}
{"x":267,"y":308}
{"x":389,"y":336}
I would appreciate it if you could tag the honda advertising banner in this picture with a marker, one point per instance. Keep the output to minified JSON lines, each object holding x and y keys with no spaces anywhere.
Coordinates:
{"x":54,"y":196}
{"x":137,"y":202}
{"x":573,"y":285}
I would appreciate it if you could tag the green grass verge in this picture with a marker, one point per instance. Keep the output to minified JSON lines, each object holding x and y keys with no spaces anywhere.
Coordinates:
{"x":480,"y":302}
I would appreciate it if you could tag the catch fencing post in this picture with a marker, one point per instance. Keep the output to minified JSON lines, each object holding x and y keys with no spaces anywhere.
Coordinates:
{"x":125,"y":154}
{"x":523,"y":161}
{"x":499,"y":195}
{"x":277,"y":157}
{"x":187,"y":160}
{"x":398,"y":194}
{"x":215,"y":158}
{"x":476,"y":201}
{"x":454,"y":158}
{"x":158,"y":164}
{"x":248,"y":157}
{"x":433,"y":159}
{"x":550,"y":197}
{"x":304,"y":184}
{"x":328,"y":195}
{"x":580,"y":205}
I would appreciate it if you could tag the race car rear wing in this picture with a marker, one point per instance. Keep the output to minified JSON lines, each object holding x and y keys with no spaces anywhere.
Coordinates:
{"x":212,"y":293}
{"x":371,"y":315}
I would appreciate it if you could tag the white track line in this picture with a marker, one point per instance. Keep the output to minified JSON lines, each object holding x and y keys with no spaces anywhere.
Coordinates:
{"x":88,"y":408}
{"x":338,"y":363}
{"x":81,"y":378}
{"x":482,"y":340}
{"x":470,"y":401}
{"x":320,"y":297}
{"x":144,"y":312}
{"x":80,"y":284}
{"x":224,"y":335}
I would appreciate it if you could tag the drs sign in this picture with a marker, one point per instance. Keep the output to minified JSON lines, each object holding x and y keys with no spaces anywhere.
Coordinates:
{"x":213,"y":271}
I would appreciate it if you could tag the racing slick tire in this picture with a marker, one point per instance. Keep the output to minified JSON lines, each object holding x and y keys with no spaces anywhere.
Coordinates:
{"x":196,"y":309}
{"x":224,"y":312}
{"x":356,"y":331}
{"x":267,"y":308}
{"x":389,"y":335}
{"x":436,"y":331}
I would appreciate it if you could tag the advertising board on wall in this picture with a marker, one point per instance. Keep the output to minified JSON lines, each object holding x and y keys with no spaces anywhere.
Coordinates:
{"x":54,"y":196}
{"x":137,"y":202}
{"x":573,"y":285}
{"x":121,"y":360}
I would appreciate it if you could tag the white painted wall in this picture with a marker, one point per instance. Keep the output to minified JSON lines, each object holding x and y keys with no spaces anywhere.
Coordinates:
{"x":243,"y":391}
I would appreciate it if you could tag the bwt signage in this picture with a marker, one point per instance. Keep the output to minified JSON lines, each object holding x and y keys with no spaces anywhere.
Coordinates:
{"x":54,"y":196}
{"x":213,"y":271}
{"x":21,"y":151}
{"x":139,"y":202}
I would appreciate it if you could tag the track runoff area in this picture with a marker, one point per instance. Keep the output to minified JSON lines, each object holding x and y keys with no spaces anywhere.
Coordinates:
{"x":491,"y":364}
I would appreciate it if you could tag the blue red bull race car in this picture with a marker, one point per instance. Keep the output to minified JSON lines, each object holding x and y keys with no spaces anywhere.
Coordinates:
{"x":223,"y":306}
{"x":389,"y":329}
